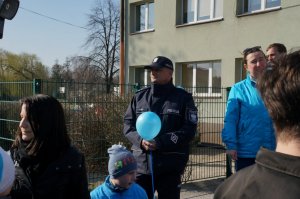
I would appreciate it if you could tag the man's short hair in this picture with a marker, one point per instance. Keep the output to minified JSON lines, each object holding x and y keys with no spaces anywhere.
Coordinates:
{"x":280,"y":47}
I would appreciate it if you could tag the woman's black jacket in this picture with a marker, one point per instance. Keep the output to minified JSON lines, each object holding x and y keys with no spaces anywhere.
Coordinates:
{"x":63,"y":178}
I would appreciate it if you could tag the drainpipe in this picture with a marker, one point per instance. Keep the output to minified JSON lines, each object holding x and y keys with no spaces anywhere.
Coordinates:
{"x":122,"y":51}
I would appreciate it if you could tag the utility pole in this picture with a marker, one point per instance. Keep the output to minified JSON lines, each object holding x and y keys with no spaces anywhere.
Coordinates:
{"x":122,"y":51}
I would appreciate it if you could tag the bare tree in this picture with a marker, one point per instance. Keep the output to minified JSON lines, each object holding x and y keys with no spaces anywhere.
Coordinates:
{"x":83,"y":71}
{"x":104,"y":39}
{"x":61,"y":72}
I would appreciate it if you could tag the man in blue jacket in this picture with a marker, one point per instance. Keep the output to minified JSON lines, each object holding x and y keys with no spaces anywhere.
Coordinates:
{"x":247,"y":125}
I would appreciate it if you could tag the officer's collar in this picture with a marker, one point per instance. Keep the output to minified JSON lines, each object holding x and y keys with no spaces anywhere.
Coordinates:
{"x":161,"y":89}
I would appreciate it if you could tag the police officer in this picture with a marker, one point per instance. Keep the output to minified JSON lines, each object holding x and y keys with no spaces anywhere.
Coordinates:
{"x":170,"y":148}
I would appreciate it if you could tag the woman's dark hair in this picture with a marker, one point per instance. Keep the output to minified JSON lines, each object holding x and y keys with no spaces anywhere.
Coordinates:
{"x":280,"y":90}
{"x":47,"y":120}
{"x":248,"y":51}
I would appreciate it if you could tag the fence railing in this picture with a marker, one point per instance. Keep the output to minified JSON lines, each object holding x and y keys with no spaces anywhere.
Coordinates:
{"x":95,"y":122}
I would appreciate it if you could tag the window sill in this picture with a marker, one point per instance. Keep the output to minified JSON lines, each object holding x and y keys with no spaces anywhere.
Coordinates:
{"x":259,"y":11}
{"x":141,"y":32}
{"x":207,"y":95}
{"x":200,"y":22}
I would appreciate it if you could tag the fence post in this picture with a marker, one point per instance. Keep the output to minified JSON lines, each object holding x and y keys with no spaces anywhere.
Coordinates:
{"x":228,"y":158}
{"x":37,"y":86}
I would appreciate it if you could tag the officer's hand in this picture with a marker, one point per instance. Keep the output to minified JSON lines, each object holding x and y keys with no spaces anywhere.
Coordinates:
{"x":149,"y":145}
{"x":232,"y":154}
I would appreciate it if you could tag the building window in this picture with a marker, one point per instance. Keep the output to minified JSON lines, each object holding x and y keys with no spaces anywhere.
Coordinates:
{"x":203,"y":77}
{"x":252,"y":6}
{"x":201,"y":10}
{"x":273,"y":3}
{"x":144,"y":17}
{"x":139,"y":76}
{"x":240,"y":71}
{"x":142,"y":76}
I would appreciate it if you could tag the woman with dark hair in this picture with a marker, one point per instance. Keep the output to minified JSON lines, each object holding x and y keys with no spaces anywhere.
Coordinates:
{"x":275,"y":174}
{"x":247,"y":124}
{"x":47,"y":166}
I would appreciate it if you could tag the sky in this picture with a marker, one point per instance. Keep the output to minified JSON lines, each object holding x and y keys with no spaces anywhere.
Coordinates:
{"x":48,"y":39}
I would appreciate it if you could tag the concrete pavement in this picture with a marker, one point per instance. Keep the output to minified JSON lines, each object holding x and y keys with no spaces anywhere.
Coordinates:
{"x":200,"y":189}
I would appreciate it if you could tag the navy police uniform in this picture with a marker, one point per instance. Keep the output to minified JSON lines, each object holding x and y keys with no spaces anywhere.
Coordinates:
{"x":178,"y":115}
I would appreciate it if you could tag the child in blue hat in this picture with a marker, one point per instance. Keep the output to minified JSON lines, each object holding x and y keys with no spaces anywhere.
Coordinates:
{"x":120,"y":183}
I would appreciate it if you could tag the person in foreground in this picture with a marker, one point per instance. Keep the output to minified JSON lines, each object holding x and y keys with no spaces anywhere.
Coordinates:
{"x":46,"y":164}
{"x":247,"y":124}
{"x":121,"y":180}
{"x":170,"y":148}
{"x":276,"y":174}
{"x":7,"y":173}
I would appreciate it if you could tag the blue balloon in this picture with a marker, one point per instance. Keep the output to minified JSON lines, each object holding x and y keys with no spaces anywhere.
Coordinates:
{"x":148,"y":125}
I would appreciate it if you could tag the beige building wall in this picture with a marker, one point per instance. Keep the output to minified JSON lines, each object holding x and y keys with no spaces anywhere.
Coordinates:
{"x":219,"y":40}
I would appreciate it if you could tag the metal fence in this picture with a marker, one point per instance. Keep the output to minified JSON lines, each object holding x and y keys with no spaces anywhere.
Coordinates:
{"x":95,"y":122}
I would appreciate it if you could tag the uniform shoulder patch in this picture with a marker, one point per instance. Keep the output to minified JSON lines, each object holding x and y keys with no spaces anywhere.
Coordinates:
{"x":193,"y":116}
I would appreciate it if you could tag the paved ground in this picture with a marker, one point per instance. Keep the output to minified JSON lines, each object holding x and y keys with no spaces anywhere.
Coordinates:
{"x":200,"y":189}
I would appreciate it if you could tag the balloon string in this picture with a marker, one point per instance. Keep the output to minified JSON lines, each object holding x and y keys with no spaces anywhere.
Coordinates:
{"x":152,"y":175}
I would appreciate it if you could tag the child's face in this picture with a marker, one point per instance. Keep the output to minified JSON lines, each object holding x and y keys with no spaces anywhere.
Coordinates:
{"x":126,"y":180}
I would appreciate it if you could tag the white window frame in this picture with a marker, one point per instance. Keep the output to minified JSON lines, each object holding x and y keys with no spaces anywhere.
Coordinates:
{"x":211,"y":14}
{"x":146,"y":17}
{"x":209,"y":93}
{"x":146,"y":73}
{"x":263,"y":8}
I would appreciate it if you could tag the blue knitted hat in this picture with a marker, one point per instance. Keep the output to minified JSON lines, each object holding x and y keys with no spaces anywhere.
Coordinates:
{"x":121,"y":161}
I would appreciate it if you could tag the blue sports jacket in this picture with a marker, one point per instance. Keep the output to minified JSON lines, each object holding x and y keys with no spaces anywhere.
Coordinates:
{"x":107,"y":191}
{"x":247,"y":125}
